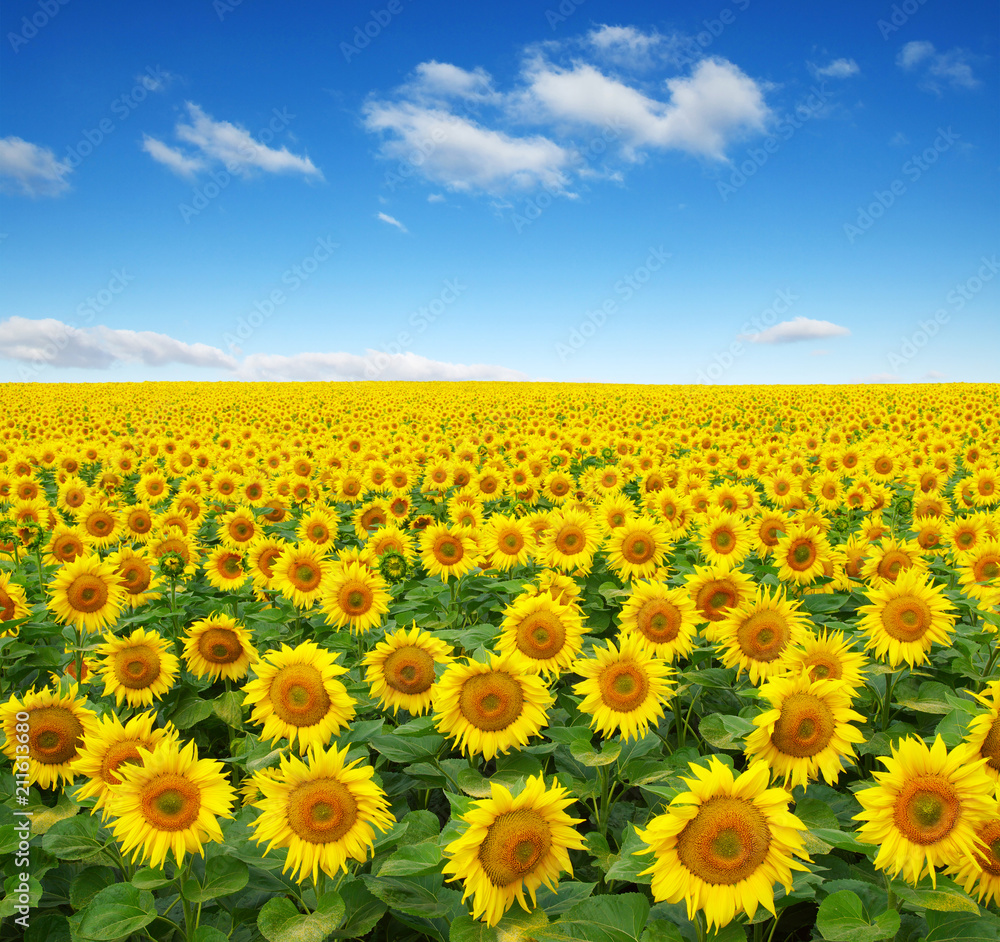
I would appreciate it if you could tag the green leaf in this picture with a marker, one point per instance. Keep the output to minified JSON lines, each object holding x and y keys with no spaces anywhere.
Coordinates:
{"x":149,"y":879}
{"x":947,"y":897}
{"x":629,"y":864}
{"x":74,"y":838}
{"x":584,"y":752}
{"x":413,"y":860}
{"x":87,"y":883}
{"x":48,"y":927}
{"x":419,"y":896}
{"x":363,"y":911}
{"x":229,"y":708}
{"x":724,"y":731}
{"x":114,"y":913}
{"x":824,"y":604}
{"x":721,"y":678}
{"x":598,"y":848}
{"x":190,"y":711}
{"x":619,"y":918}
{"x":931,"y":697}
{"x":516,"y":926}
{"x":659,"y":930}
{"x":842,"y":840}
{"x":209,"y":934}
{"x":44,"y":817}
{"x":406,"y":749}
{"x":951,"y":927}
{"x":842,"y":918}
{"x":223,"y":875}
{"x":280,"y":921}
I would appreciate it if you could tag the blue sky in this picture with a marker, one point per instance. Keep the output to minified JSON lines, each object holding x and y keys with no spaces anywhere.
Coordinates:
{"x":731,"y":192}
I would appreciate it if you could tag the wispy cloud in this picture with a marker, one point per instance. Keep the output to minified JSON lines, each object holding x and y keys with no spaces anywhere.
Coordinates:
{"x":799,"y":328}
{"x":392,"y":221}
{"x":349,"y":366}
{"x":937,"y":69}
{"x":181,"y":164}
{"x":30,"y":169}
{"x":838,"y":68}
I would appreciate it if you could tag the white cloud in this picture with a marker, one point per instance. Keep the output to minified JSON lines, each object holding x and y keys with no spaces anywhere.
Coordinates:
{"x":460,"y":153}
{"x":437,"y":81}
{"x":838,"y":68}
{"x":819,"y":353}
{"x":375,"y":365}
{"x":435,"y":198}
{"x":51,"y":341}
{"x":953,"y":68}
{"x":181,"y":164}
{"x":899,"y":139}
{"x":799,"y":328}
{"x":229,"y":144}
{"x":30,"y":169}
{"x":385,"y":217}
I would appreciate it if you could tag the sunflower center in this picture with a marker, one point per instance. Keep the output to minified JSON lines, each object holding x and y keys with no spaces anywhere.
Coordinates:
{"x":722,"y":541}
{"x":137,"y":666}
{"x":241,"y":530}
{"x":624,"y":686}
{"x":763,"y":636}
{"x":491,"y":701}
{"x":265,"y":562}
{"x":100,"y":524}
{"x":823,"y":668}
{"x":540,"y":636}
{"x":926,"y":809}
{"x":305,"y":576}
{"x":988,"y":855}
{"x":570,"y":540}
{"x":448,"y":550}
{"x":516,"y":843}
{"x":511,"y":542}
{"x":355,"y":598}
{"x":298,"y":695}
{"x":725,"y":842}
{"x":136,"y":576}
{"x":906,"y":618}
{"x":802,"y":556}
{"x":170,"y":802}
{"x":321,"y":811}
{"x":892,"y":564}
{"x":715,"y":597}
{"x":232,"y":566}
{"x":638,"y":548}
{"x":987,"y":569}
{"x":805,"y":726}
{"x":87,"y":593}
{"x":118,"y":754}
{"x":991,"y":745}
{"x":659,"y":621}
{"x":409,"y":670}
{"x":220,"y":646}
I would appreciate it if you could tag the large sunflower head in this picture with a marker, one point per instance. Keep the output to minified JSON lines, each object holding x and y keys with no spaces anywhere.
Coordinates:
{"x":87,"y":593}
{"x":55,"y":722}
{"x":139,"y":668}
{"x":926,"y":809}
{"x":491,"y":707}
{"x":297,"y":697}
{"x":299,"y":574}
{"x":135,"y":569}
{"x":638,"y":547}
{"x":507,"y":541}
{"x":218,"y":646}
{"x":237,"y":528}
{"x":828,"y":655}
{"x":324,"y":811}
{"x":448,"y":551}
{"x":400,"y":669}
{"x":355,"y":596}
{"x":624,"y":688}
{"x":570,"y":542}
{"x":547,"y":633}
{"x":664,"y":618}
{"x":170,"y":800}
{"x":984,"y":731}
{"x":511,"y":844}
{"x":262,"y":555}
{"x":799,"y":554}
{"x":723,"y":844}
{"x":13,"y":601}
{"x":889,"y":558}
{"x":725,"y":538}
{"x":715,"y":590}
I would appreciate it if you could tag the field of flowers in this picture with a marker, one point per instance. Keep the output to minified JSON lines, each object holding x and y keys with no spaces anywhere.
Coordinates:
{"x":498,"y":662}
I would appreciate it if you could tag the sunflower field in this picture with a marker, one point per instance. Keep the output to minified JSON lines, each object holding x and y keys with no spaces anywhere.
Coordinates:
{"x":484,"y":662}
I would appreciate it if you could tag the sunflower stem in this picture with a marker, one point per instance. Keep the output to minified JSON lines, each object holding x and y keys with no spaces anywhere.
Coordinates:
{"x":774,"y":925}
{"x":680,"y":723}
{"x":173,"y":607}
{"x":887,"y":701}
{"x":79,"y":655}
{"x":699,"y":924}
{"x":319,"y":884}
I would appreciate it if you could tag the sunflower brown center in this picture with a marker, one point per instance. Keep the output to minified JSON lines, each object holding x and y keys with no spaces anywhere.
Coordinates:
{"x":715,"y":597}
{"x":220,"y":646}
{"x":87,"y":593}
{"x":624,"y":686}
{"x":906,"y":618}
{"x":298,"y":695}
{"x":448,"y":551}
{"x":170,"y":802}
{"x":100,"y":523}
{"x":986,"y":569}
{"x":764,"y":635}
{"x":54,"y":735}
{"x":355,"y":598}
{"x":570,"y":540}
{"x":541,"y":635}
{"x":723,"y":541}
{"x":988,"y":854}
{"x":638,"y":548}
{"x":926,"y":809}
{"x":805,"y":726}
{"x":137,"y":666}
{"x":823,"y":667}
{"x":491,"y":701}
{"x":305,"y":576}
{"x":136,"y":576}
{"x":659,"y":621}
{"x":802,"y":555}
{"x":409,"y":670}
{"x":892,"y":564}
{"x":511,"y":542}
{"x":119,"y":754}
{"x":991,"y":745}
{"x":321,"y":811}
{"x":725,"y":842}
{"x":516,"y":843}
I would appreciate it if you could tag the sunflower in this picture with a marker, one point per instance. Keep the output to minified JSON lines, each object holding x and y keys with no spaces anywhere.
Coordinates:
{"x":135,"y":569}
{"x":725,"y":538}
{"x":356,"y":597}
{"x":87,"y":593}
{"x":492,"y":707}
{"x":799,"y":554}
{"x":218,"y":646}
{"x":614,"y":509}
{"x":237,"y":528}
{"x":64,"y":545}
{"x":926,"y":809}
{"x":13,"y":602}
{"x":448,"y":551}
{"x":965,"y":533}
{"x":562,"y":588}
{"x":828,"y":656}
{"x":318,"y":527}
{"x":756,"y":634}
{"x":101,"y":523}
{"x":664,"y":618}
{"x":506,"y":542}
{"x":766,"y":529}
{"x":299,"y":573}
{"x":138,"y":669}
{"x":512,"y":844}
{"x":400,"y":669}
{"x":985,"y":487}
{"x":323,"y":810}
{"x":983,"y":866}
{"x":57,"y":722}
{"x":984,"y":731}
{"x":224,"y":569}
{"x":715,"y":590}
{"x":547,"y":633}
{"x":637,"y":548}
{"x":905,"y":618}
{"x":624,"y":688}
{"x":806,"y":732}
{"x":570,"y":542}
{"x":296,"y":696}
{"x":723,"y":844}
{"x":262,"y":554}
{"x":979,"y":572}
{"x":110,"y":745}
{"x":170,"y":800}
{"x":389,"y":539}
{"x":889,"y":557}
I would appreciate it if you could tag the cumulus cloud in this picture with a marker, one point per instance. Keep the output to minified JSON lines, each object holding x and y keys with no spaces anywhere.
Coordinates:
{"x":838,"y":68}
{"x":30,"y":169}
{"x":228,"y":144}
{"x":374,"y":365}
{"x":392,"y":221}
{"x":799,"y":328}
{"x":437,"y":81}
{"x":937,"y":69}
